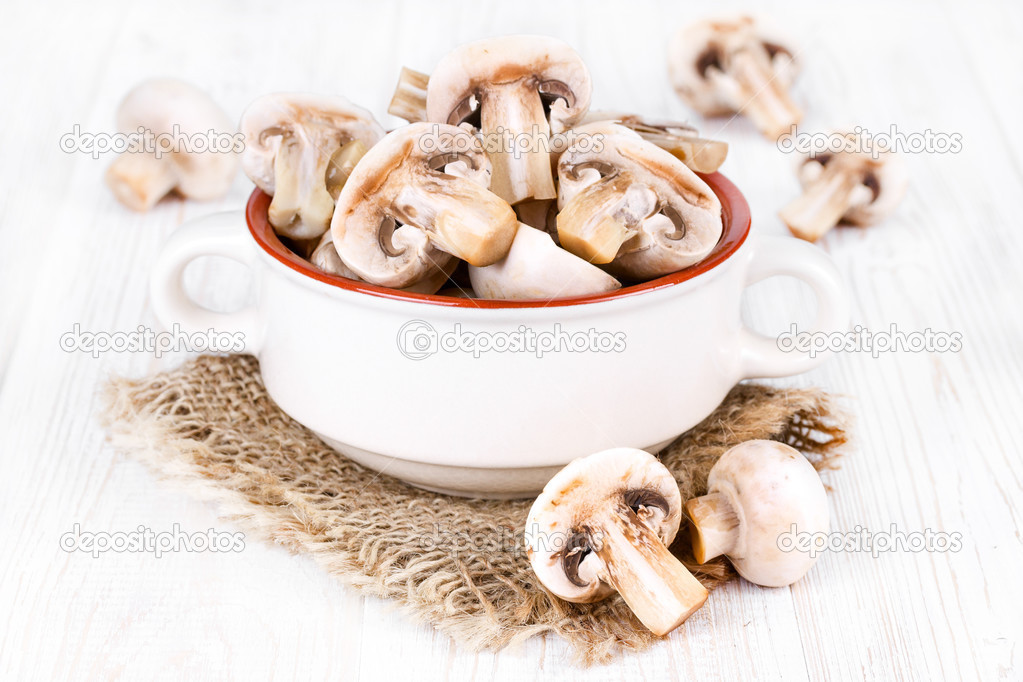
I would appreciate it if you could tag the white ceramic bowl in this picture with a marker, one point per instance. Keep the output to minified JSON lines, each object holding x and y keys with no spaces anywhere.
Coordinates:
{"x":390,"y":379}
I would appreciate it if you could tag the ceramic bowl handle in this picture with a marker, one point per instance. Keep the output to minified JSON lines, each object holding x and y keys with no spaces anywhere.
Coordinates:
{"x":220,"y":234}
{"x":762,"y":355}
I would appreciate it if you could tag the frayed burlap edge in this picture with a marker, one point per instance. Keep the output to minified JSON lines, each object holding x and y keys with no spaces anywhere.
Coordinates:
{"x":458,"y":564}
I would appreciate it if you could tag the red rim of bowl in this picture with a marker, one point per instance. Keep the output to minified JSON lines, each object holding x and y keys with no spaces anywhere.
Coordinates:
{"x":734,"y":213}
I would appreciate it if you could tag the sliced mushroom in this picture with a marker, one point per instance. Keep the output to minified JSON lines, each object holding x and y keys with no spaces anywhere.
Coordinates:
{"x":757,"y":491}
{"x":603,"y":524}
{"x":290,"y":139}
{"x":409,"y":99}
{"x":536,"y":268}
{"x":736,"y":65}
{"x":857,"y":187}
{"x":166,"y":108}
{"x":517,"y":90}
{"x":681,"y":139}
{"x":401,"y":217}
{"x":633,"y":206}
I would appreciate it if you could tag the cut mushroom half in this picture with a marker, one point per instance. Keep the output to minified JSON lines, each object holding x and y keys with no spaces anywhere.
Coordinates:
{"x":537,"y":269}
{"x":294,"y":148}
{"x":325,"y":258}
{"x":603,"y":524}
{"x":401,"y":217}
{"x":736,"y":65}
{"x":859,"y":187}
{"x":681,"y":139}
{"x":169,"y":109}
{"x":633,"y":207}
{"x":758,"y":491}
{"x":517,"y":90}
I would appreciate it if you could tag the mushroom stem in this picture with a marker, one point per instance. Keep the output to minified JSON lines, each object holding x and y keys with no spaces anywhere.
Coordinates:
{"x":605,"y":215}
{"x":141,"y":180}
{"x":520,"y":156}
{"x":714,"y":526}
{"x":655,"y":585}
{"x":764,"y":100}
{"x":409,"y":99}
{"x":822,"y":204}
{"x":299,"y":209}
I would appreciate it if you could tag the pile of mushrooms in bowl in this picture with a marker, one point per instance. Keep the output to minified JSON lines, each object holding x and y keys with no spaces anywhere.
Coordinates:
{"x":503,"y":185}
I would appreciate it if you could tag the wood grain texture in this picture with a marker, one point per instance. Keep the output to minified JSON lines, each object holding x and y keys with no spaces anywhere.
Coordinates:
{"x":937,"y":434}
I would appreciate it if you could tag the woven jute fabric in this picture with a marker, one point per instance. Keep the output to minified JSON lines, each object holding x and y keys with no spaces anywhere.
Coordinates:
{"x":456,"y":563}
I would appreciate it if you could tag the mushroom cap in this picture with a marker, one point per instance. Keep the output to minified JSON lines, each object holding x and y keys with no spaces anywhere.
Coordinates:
{"x":585,"y":488}
{"x":659,"y":183}
{"x":537,"y":268}
{"x":160,"y":104}
{"x":318,"y":117}
{"x":468,"y":70}
{"x":709,"y":42}
{"x":770,"y":486}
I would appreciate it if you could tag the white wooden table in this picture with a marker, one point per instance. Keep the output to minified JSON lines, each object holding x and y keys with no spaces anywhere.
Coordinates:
{"x":937,"y":435}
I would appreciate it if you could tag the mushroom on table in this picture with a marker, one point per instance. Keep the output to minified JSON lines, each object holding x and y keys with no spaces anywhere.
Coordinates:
{"x":603,"y":524}
{"x":416,"y":200}
{"x":632,"y":206}
{"x":295,"y":146}
{"x":168,"y":107}
{"x":757,"y":491}
{"x":854,"y":185}
{"x":739,"y":65}
{"x":516,"y":90}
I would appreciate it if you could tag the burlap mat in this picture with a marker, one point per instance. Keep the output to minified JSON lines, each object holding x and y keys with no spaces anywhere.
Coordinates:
{"x":456,"y":563}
